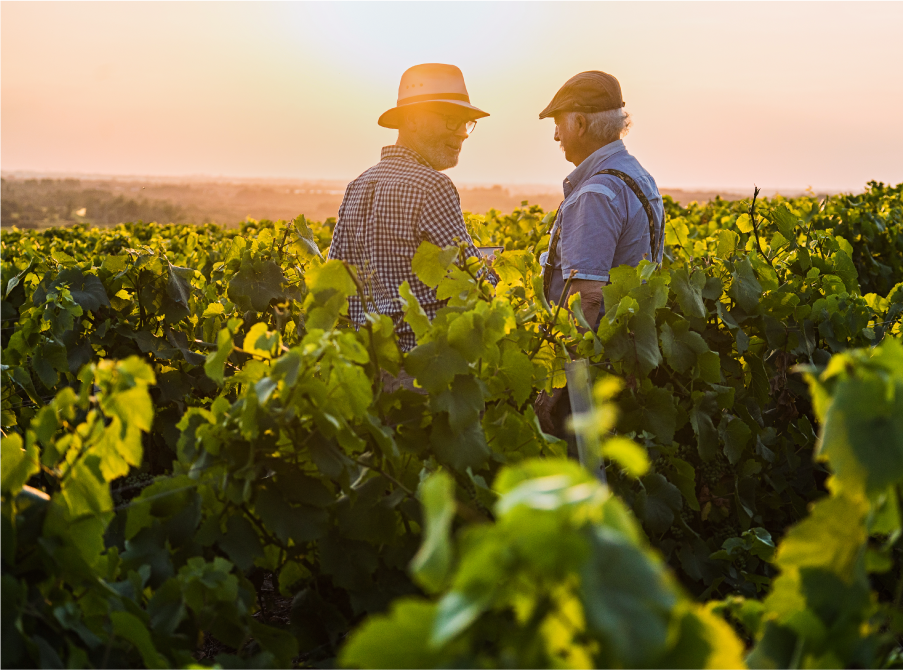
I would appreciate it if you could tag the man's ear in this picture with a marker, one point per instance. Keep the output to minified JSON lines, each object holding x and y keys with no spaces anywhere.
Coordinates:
{"x":412,"y":120}
{"x":580,"y":124}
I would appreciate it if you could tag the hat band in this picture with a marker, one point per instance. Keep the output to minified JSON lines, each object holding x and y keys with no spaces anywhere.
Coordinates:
{"x":435,"y":96}
{"x":591,"y":109}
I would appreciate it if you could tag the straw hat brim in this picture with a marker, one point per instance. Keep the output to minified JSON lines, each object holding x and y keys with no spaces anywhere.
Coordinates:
{"x":392,"y":117}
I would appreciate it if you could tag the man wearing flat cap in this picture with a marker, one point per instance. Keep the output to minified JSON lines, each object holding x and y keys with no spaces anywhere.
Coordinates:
{"x":612,"y":213}
{"x":405,"y":199}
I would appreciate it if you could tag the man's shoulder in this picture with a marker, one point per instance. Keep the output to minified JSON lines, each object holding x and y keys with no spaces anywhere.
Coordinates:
{"x":402,"y":172}
{"x":613,"y":186}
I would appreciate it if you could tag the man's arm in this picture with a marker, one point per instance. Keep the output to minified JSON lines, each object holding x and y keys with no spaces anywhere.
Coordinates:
{"x":442,"y":221}
{"x":590,"y":297}
{"x":337,"y":245}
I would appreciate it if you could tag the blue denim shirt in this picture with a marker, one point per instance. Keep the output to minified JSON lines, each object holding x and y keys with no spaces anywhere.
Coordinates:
{"x":603,"y":224}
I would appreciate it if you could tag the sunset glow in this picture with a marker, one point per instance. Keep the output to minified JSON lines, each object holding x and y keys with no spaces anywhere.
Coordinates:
{"x":721,"y":95}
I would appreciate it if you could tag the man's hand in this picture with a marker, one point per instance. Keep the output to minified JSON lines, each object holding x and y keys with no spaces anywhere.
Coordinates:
{"x":544,"y":405}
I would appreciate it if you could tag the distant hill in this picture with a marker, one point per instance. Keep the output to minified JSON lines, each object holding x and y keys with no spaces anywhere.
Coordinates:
{"x":41,"y":202}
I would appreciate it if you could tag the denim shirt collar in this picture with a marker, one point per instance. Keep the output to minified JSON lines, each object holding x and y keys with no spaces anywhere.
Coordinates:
{"x":591,"y":165}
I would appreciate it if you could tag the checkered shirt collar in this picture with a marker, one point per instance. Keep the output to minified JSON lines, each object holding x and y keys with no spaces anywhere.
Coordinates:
{"x":395,"y":151}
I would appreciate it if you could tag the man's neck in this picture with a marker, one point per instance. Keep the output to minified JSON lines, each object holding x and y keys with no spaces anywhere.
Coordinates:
{"x":587,"y":151}
{"x":408,"y":143}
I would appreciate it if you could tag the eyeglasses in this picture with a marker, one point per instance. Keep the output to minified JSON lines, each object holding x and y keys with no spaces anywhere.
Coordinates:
{"x":453,"y":124}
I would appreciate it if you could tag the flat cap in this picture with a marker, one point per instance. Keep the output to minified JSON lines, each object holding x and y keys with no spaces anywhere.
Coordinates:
{"x":591,"y":91}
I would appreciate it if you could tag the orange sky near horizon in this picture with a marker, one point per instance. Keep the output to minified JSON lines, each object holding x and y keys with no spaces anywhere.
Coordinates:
{"x":722,"y":95}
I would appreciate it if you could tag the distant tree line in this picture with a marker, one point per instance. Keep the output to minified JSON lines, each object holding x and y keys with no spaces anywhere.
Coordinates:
{"x":38,"y":203}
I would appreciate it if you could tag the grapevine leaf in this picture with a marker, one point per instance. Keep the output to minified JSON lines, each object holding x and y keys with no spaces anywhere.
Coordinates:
{"x":727,"y":243}
{"x":435,"y":364}
{"x":663,"y":499}
{"x":241,"y":543}
{"x":309,"y":246}
{"x":280,"y":643}
{"x":759,"y":378}
{"x":830,"y":538}
{"x":615,"y":579}
{"x":300,"y":488}
{"x":706,"y":435}
{"x":821,"y":571}
{"x":688,"y":290}
{"x":706,"y":641}
{"x":676,"y":232}
{"x":628,"y":454}
{"x":216,"y":362}
{"x":430,"y":263}
{"x":14,"y":281}
{"x":463,"y":402}
{"x":745,"y":288}
{"x":260,"y":342}
{"x":87,"y":290}
{"x":842,"y":266}
{"x":48,"y":359}
{"x":256,"y":284}
{"x":290,"y":574}
{"x":778,"y":242}
{"x":709,"y":363}
{"x":327,"y":458}
{"x":433,"y":561}
{"x":350,"y":389}
{"x":177,"y":288}
{"x":413,"y":312}
{"x":179,"y":340}
{"x":685,"y":480}
{"x":648,"y":355}
{"x":460,"y":449}
{"x":517,"y":371}
{"x":331,"y":278}
{"x":785,"y":220}
{"x":213,"y":309}
{"x":736,"y":436}
{"x":134,"y":407}
{"x":131,"y":628}
{"x":681,"y":345}
{"x":300,"y":524}
{"x":18,"y":464}
{"x":465,"y":333}
{"x":23,"y":379}
{"x":863,"y":432}
{"x":399,"y":639}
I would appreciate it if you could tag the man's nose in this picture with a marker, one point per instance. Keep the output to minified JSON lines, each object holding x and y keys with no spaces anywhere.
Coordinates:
{"x":557,"y":139}
{"x":462,"y":131}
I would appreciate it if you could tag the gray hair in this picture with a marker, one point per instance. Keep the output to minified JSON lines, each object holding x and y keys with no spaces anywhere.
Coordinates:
{"x":605,"y":126}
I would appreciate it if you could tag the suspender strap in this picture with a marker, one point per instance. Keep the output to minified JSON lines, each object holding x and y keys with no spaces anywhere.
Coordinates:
{"x":654,"y":242}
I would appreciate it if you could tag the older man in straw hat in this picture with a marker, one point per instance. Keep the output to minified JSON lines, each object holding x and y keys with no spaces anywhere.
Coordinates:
{"x":612,"y":213}
{"x":405,"y":199}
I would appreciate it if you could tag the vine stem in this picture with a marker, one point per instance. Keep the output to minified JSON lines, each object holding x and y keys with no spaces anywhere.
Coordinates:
{"x":285,"y":239}
{"x":385,"y":474}
{"x":547,"y":330}
{"x":755,"y":225}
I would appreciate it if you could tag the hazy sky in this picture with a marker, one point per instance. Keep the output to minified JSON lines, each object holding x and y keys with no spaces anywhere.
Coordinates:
{"x":724,"y":95}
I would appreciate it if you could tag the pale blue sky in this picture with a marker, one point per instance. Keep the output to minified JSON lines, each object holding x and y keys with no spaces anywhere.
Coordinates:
{"x":723,"y":95}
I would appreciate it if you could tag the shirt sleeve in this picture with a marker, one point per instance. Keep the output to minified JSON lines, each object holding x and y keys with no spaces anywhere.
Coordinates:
{"x":337,"y":244}
{"x":590,"y":232}
{"x":442,"y":222}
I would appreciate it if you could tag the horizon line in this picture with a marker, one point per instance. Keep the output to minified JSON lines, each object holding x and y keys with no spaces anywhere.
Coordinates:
{"x":551,"y":188}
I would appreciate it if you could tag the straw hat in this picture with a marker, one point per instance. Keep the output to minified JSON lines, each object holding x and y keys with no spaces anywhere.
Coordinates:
{"x":430,"y":83}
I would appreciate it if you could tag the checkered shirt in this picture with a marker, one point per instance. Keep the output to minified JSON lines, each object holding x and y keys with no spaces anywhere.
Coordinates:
{"x":385,"y":214}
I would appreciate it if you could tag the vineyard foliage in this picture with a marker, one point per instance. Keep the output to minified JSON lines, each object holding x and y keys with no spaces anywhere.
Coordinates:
{"x":187,"y":412}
